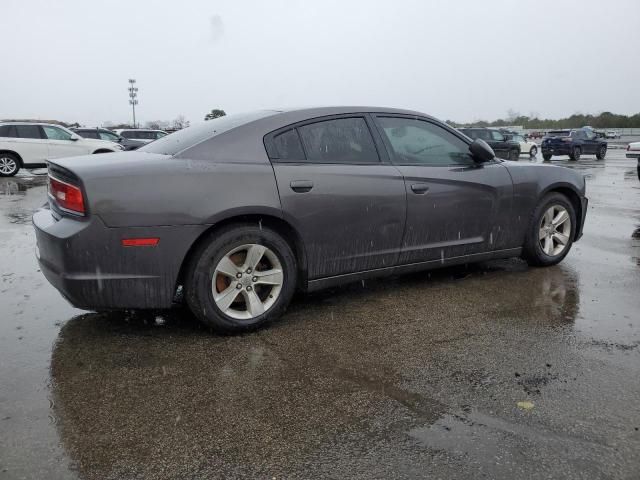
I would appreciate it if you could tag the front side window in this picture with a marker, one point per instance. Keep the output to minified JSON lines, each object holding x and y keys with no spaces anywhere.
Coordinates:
{"x":518,"y":138}
{"x":55,"y":133}
{"x":28,"y":131}
{"x":497,"y":136}
{"x":160,"y":134}
{"x":343,"y":140}
{"x":112,"y":137}
{"x":417,"y":142}
{"x":128,"y":134}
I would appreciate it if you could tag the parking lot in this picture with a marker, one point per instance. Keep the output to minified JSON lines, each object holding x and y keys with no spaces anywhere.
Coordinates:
{"x":495,"y":370}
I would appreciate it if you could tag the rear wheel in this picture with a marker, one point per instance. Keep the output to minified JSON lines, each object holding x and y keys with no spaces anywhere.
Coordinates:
{"x":242,"y":279}
{"x":602,"y":152}
{"x":551,"y":231}
{"x":9,"y":164}
{"x":546,"y":157}
{"x":534,"y":151}
{"x":575,"y":154}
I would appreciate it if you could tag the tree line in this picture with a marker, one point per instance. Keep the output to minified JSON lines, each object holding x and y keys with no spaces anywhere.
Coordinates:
{"x":603,"y":120}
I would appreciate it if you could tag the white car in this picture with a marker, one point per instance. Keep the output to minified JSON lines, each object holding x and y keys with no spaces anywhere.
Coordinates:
{"x":611,"y":134}
{"x":526,"y":146}
{"x":143,"y":135}
{"x":633,"y":151}
{"x":30,"y":145}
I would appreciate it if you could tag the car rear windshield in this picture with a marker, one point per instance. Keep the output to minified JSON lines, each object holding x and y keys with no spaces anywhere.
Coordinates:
{"x":190,"y":136}
{"x":559,"y":133}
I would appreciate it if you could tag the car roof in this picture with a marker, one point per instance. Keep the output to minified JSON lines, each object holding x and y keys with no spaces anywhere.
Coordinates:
{"x":34,"y":123}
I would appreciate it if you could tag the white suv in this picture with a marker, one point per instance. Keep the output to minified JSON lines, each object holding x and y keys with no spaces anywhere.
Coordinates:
{"x":31,"y":144}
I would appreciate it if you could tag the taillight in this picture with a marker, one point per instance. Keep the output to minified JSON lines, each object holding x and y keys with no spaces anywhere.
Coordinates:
{"x":67,"y":196}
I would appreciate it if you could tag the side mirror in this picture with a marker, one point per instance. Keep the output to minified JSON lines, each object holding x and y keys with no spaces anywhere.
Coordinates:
{"x":481,"y":151}
{"x":75,"y":137}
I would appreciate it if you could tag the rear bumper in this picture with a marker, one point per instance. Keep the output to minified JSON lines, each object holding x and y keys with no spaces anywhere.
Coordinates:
{"x":556,"y":149}
{"x":86,"y":263}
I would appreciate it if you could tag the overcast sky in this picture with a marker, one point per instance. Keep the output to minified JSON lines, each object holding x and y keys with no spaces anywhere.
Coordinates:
{"x":461,"y":60}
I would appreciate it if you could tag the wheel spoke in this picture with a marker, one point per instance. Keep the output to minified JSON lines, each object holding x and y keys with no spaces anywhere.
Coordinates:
{"x":254,"y":255}
{"x":548,"y":245}
{"x":253,"y":302}
{"x":225,"y":298}
{"x":548,"y":217}
{"x":561,"y":238}
{"x":559,"y":219}
{"x":269,"y":277}
{"x":227,"y":267}
{"x":542,"y":233}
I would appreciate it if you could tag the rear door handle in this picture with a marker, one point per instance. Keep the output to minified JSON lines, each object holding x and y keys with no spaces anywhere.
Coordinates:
{"x":420,"y":188}
{"x":301,"y":186}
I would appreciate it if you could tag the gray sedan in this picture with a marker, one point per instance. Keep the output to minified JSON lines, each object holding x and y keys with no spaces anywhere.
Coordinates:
{"x":243,"y":210}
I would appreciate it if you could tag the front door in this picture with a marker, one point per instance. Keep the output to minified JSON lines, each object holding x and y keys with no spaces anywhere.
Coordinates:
{"x":455,"y":207}
{"x":30,"y":144}
{"x":348,"y":206}
{"x":60,"y":143}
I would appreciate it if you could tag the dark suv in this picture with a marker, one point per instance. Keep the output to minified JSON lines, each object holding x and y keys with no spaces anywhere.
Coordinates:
{"x":501,"y":144}
{"x":573,"y":143}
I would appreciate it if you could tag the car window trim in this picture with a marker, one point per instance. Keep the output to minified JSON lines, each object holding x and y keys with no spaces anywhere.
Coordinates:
{"x":392,"y":154}
{"x":268,"y":140}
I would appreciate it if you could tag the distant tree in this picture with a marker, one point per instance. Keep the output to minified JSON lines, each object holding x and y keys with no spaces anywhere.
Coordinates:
{"x":577,"y":120}
{"x":215,"y":113}
{"x":179,"y":123}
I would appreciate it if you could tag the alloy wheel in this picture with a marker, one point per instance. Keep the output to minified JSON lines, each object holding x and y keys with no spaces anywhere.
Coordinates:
{"x":8,"y":165}
{"x":555,"y":230}
{"x":533,"y":152}
{"x":247,"y":281}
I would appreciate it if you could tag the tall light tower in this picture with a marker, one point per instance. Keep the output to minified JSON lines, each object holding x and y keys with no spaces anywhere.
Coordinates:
{"x":133,"y":98}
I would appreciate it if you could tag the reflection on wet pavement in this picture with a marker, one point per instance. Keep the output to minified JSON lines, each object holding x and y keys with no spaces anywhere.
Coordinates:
{"x":418,"y":376}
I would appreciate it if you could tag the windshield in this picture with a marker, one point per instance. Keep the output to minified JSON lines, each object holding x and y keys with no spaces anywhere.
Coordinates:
{"x":178,"y":141}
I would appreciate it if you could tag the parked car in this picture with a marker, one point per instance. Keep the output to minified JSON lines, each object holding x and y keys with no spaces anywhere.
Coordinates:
{"x":141,"y":135}
{"x":611,"y":134}
{"x":526,"y":146}
{"x":243,"y":210}
{"x":105,"y":134}
{"x":501,"y":145}
{"x":29,"y":145}
{"x":573,"y":143}
{"x":633,"y":151}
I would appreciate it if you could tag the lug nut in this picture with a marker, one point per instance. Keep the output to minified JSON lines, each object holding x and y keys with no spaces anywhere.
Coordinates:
{"x":238,"y":285}
{"x":238,"y":275}
{"x":248,"y":270}
{"x":254,"y":279}
{"x":249,"y":288}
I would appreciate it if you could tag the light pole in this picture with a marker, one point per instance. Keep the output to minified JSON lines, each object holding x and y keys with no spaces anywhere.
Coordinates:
{"x":133,"y":98}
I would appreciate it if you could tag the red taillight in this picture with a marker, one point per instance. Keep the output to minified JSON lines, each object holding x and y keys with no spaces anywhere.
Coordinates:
{"x":67,"y":196}
{"x":140,"y":242}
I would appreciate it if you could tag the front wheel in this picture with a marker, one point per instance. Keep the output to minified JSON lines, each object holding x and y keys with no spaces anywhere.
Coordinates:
{"x":575,"y":154}
{"x":241,"y":279}
{"x":551,"y":231}
{"x":9,"y":165}
{"x":546,"y":157}
{"x":602,"y":152}
{"x":534,"y":151}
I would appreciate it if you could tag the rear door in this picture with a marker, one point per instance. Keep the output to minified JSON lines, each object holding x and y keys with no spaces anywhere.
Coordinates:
{"x":30,"y":144}
{"x":499,"y":144}
{"x":60,"y":143}
{"x":455,"y":207}
{"x":591,"y":142}
{"x":346,"y":201}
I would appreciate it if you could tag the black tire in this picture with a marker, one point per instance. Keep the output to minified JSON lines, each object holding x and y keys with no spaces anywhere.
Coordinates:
{"x":199,"y":277}
{"x":514,"y":155}
{"x":533,"y":152}
{"x":532,"y":250}
{"x":575,"y":154}
{"x":602,"y":152}
{"x":9,"y":164}
{"x":546,"y":157}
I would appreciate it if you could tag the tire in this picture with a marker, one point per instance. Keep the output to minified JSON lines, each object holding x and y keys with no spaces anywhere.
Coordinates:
{"x":9,"y":164}
{"x":536,"y":250}
{"x":533,"y":152}
{"x":514,"y":155}
{"x":232,"y":313}
{"x":575,"y":154}
{"x":602,"y":152}
{"x":546,"y":157}
{"x":102,"y":151}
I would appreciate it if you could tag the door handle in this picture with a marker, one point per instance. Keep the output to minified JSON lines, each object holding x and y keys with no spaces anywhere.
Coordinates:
{"x":420,"y":188}
{"x":301,"y":186}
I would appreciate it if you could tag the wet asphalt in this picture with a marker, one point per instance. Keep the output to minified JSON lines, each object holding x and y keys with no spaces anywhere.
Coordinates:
{"x":495,"y":370}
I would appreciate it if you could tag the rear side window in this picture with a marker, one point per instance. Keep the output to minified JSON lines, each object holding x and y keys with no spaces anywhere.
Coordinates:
{"x":7,"y":131}
{"x":288,"y":147}
{"x":108,"y":136}
{"x":343,"y":140}
{"x":88,"y":133}
{"x":28,"y":131}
